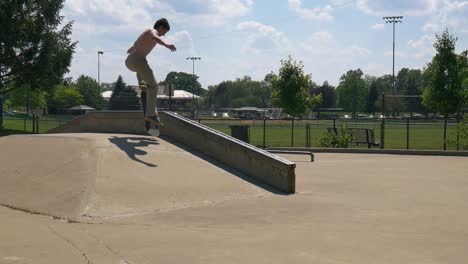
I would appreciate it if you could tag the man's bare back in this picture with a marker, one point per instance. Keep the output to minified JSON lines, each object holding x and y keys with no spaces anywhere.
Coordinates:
{"x":147,"y":41}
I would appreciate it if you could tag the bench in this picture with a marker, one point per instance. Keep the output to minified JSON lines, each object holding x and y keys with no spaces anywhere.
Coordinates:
{"x":360,"y":136}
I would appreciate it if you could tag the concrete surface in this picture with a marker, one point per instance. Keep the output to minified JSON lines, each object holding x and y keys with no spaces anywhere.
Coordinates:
{"x":349,"y":208}
{"x":252,"y":161}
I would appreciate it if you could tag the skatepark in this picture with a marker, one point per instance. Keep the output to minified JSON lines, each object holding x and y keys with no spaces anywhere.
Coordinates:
{"x":82,"y":194}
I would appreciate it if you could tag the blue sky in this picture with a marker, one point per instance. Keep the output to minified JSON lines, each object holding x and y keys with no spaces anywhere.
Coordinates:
{"x":250,"y":37}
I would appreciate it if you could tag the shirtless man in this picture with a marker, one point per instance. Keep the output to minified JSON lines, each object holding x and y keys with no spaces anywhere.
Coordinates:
{"x":136,"y":62}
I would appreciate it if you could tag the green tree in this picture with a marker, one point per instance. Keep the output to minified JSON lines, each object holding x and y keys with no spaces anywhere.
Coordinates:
{"x":262,"y":91}
{"x":65,"y":97}
{"x":352,"y":91}
{"x":372,"y":97}
{"x":123,"y":97}
{"x":89,"y":88}
{"x":27,"y":98}
{"x":444,"y":93}
{"x":185,"y":81}
{"x":291,"y":89}
{"x":328,"y":93}
{"x":34,"y":51}
{"x":463,"y":60}
{"x":239,"y":93}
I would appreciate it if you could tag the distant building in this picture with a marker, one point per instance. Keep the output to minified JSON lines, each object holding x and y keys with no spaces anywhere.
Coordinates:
{"x":180,"y":99}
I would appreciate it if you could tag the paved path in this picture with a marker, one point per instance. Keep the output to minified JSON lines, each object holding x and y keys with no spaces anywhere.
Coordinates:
{"x":348,"y":209}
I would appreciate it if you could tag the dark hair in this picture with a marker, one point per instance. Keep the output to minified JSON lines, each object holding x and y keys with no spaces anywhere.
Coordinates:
{"x":162,"y":22}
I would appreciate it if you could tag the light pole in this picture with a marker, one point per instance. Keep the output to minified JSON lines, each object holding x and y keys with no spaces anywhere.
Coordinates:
{"x":193,"y":59}
{"x":393,"y":20}
{"x":100,"y":52}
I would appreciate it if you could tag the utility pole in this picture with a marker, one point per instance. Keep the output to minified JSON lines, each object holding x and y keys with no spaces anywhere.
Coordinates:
{"x":393,"y":20}
{"x":99,"y":71}
{"x":193,"y":59}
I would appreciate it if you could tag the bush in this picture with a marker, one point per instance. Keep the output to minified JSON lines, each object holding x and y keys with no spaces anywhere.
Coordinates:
{"x":463,"y":132}
{"x":340,"y":139}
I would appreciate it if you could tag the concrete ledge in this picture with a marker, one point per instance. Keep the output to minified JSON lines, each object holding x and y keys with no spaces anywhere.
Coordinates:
{"x":120,"y":122}
{"x":254,"y":162}
{"x":382,"y":151}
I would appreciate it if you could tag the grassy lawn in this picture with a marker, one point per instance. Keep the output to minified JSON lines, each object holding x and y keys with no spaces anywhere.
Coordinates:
{"x":422,"y":134}
{"x":24,"y":124}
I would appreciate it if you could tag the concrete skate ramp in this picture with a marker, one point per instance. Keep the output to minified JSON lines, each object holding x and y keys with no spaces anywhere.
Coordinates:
{"x":254,"y":162}
{"x":46,"y":175}
{"x":84,"y":177}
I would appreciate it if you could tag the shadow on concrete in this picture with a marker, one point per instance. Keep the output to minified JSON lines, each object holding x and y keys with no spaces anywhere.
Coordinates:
{"x":131,"y":148}
{"x":224,"y":167}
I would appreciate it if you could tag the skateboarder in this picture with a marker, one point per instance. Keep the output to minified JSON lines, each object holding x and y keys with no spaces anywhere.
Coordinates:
{"x":136,"y":62}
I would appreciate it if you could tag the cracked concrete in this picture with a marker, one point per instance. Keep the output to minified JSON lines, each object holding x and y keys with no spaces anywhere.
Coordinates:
{"x":349,"y":208}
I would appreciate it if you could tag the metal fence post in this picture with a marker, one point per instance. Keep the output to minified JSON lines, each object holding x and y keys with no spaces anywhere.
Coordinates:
{"x":34,"y":123}
{"x":307,"y":135}
{"x":458,"y":131}
{"x":292,"y":132}
{"x":264,"y":133}
{"x":37,"y":124}
{"x":334,"y":124}
{"x":382,"y":125}
{"x":407,"y":132}
{"x":1,"y":112}
{"x":445,"y":132}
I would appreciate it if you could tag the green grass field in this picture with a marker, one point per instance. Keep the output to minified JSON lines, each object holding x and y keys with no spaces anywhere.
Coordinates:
{"x":25,"y":124}
{"x":422,"y":134}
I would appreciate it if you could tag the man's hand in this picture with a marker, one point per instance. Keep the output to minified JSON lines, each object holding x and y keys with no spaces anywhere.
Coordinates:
{"x":171,"y":47}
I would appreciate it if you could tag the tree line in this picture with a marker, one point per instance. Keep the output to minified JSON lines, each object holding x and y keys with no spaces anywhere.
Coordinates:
{"x":36,"y":52}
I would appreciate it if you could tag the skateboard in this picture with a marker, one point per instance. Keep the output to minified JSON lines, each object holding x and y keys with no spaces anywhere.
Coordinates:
{"x":151,"y":128}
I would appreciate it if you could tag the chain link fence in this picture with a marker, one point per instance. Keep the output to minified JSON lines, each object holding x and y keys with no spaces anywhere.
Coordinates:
{"x":398,"y":133}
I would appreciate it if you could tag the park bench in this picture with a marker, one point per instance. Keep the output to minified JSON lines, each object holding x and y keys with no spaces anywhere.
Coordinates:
{"x":360,"y":136}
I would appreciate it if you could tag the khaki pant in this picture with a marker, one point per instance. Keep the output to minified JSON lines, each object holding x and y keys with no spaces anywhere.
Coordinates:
{"x":146,"y":80}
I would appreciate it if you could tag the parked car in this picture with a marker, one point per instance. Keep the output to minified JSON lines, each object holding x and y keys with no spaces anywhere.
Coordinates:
{"x":8,"y":113}
{"x":362,"y":116}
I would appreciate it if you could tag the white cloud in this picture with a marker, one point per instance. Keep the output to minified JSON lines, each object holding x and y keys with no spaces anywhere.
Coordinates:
{"x":181,"y":37}
{"x":422,"y":47}
{"x":209,"y":12}
{"x":262,"y":37}
{"x":423,"y":41}
{"x":342,"y":3}
{"x":398,"y":54}
{"x":323,"y":47}
{"x":452,"y":15}
{"x":322,"y":14}
{"x":398,"y":7}
{"x":378,"y":26}
{"x":113,"y":15}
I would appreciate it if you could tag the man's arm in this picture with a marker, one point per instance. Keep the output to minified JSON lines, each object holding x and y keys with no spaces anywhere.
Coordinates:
{"x":161,"y":42}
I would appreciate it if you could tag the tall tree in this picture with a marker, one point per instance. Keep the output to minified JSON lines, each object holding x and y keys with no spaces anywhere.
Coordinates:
{"x":262,"y":92}
{"x":291,"y":89}
{"x":34,"y":51}
{"x":123,"y":97}
{"x":352,"y":91}
{"x":89,"y":88}
{"x":444,"y":93}
{"x":328,"y":93}
{"x":185,"y":81}
{"x":65,"y":97}
{"x":27,"y":98}
{"x":372,"y":97}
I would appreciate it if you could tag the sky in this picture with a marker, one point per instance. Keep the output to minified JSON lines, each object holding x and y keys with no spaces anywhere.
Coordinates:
{"x":236,"y":38}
